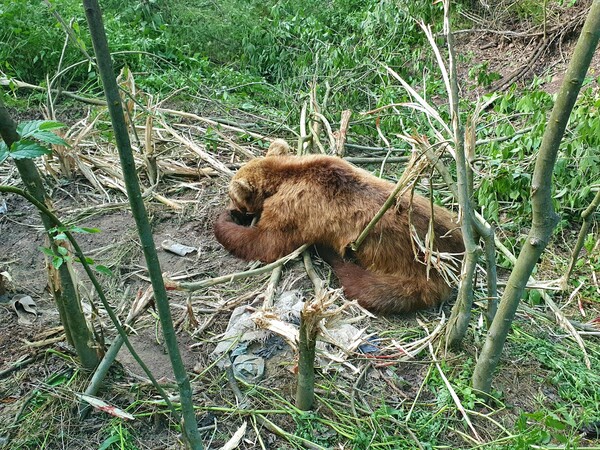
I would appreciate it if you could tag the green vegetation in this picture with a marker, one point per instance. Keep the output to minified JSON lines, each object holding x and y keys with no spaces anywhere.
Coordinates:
{"x":256,"y":62}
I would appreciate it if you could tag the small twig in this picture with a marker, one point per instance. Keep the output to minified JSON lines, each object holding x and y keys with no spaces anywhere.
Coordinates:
{"x":213,"y":123}
{"x":404,"y":183}
{"x":21,"y":364}
{"x":242,"y":401}
{"x":587,"y":222}
{"x":504,"y":138}
{"x":269,"y":294}
{"x":330,"y":134}
{"x":317,"y":282}
{"x":304,"y":137}
{"x":315,"y":125}
{"x":215,"y":163}
{"x":68,"y":30}
{"x":22,"y":84}
{"x":373,"y":160}
{"x":284,"y":434}
{"x":355,"y":386}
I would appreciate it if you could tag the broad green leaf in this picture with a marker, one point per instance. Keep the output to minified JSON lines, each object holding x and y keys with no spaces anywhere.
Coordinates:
{"x":25,"y":149}
{"x":51,"y":125}
{"x":63,"y":251}
{"x":60,"y":237}
{"x":109,"y":442}
{"x":557,"y":424}
{"x":49,"y":137}
{"x":535,"y":297}
{"x":26,"y":129}
{"x":57,"y":261}
{"x":47,"y":251}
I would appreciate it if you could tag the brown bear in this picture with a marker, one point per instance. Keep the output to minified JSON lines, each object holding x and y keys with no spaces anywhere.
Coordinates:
{"x":326,"y":201}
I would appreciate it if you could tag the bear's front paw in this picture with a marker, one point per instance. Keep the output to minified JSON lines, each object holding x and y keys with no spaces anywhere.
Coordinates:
{"x":238,"y":217}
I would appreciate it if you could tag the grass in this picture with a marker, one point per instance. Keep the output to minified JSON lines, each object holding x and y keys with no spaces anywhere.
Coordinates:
{"x":544,"y":394}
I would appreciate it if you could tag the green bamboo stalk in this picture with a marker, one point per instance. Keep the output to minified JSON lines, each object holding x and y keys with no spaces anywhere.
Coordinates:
{"x":63,"y":287}
{"x":111,"y":91}
{"x":544,"y":217}
{"x":305,"y":389}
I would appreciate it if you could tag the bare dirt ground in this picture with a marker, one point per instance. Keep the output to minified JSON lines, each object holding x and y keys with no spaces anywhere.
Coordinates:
{"x":38,"y":376}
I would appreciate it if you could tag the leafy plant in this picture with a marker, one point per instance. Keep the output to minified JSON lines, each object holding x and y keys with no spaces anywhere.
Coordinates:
{"x":119,"y":438}
{"x":481,"y":74}
{"x":62,"y":254}
{"x":504,"y":191}
{"x":28,"y":146}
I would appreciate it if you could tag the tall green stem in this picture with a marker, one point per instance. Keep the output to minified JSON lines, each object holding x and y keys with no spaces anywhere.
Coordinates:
{"x":111,"y":91}
{"x":461,"y":312}
{"x":122,"y":338}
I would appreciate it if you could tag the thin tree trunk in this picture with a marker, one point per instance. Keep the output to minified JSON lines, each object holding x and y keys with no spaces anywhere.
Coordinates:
{"x":461,"y":312}
{"x":100,"y":43}
{"x":544,"y":217}
{"x":485,"y":231}
{"x":110,"y":355}
{"x":62,"y":281}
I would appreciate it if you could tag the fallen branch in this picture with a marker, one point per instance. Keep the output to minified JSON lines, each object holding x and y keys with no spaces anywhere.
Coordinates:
{"x":195,"y":286}
{"x":215,"y":163}
{"x":415,"y":165}
{"x":11,"y":82}
{"x":213,"y":123}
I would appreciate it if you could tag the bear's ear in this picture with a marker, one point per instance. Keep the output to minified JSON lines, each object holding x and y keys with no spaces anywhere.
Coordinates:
{"x":240,"y":192}
{"x":278,"y":148}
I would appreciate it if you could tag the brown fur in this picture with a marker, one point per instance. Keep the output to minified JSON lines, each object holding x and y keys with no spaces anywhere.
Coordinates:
{"x":326,"y":201}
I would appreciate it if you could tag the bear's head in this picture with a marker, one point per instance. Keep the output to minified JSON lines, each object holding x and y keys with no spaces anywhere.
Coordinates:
{"x":248,"y":189}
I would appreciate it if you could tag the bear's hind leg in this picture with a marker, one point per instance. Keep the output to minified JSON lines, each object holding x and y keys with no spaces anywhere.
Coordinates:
{"x":386,"y":293}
